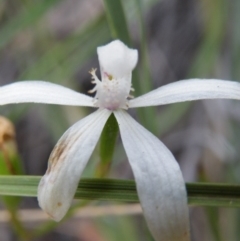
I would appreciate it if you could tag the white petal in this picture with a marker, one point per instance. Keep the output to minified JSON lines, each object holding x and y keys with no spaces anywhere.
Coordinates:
{"x":160,"y":184}
{"x":117,"y":59}
{"x":42,"y":92}
{"x":186,"y":90}
{"x":66,"y":163}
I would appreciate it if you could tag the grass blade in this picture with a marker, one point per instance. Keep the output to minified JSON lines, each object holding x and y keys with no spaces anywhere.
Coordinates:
{"x":200,"y":194}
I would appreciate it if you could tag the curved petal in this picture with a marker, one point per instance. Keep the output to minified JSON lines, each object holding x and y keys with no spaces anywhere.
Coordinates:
{"x":42,"y":92}
{"x":160,"y":184}
{"x":66,"y":163}
{"x":186,"y":90}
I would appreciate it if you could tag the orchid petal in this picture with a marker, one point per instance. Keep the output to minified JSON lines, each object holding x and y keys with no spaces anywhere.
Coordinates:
{"x":67,"y":162}
{"x":42,"y":92}
{"x":187,"y":90}
{"x":117,"y":59}
{"x":159,"y":181}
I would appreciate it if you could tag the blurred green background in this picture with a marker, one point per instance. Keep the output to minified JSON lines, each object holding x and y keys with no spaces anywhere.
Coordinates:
{"x":56,"y":41}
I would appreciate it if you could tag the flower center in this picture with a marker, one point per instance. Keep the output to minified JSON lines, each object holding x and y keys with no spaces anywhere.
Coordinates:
{"x":111,"y":93}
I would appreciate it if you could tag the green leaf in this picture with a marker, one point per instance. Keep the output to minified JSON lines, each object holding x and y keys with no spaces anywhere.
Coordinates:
{"x":201,"y":194}
{"x":107,"y":145}
{"x":117,"y":20}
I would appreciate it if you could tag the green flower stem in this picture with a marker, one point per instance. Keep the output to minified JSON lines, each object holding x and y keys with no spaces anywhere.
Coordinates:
{"x":200,"y":194}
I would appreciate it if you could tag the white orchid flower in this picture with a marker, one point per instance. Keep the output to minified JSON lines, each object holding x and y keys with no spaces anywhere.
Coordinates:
{"x":160,"y":185}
